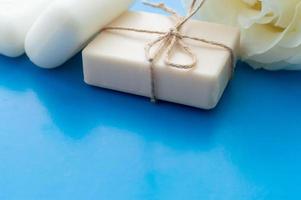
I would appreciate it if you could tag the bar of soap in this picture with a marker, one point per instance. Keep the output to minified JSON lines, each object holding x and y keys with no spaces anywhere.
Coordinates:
{"x":116,"y":60}
{"x":66,"y":26}
{"x":16,"y":18}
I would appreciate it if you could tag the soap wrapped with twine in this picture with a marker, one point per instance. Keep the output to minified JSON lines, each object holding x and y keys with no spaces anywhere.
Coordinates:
{"x":167,"y":41}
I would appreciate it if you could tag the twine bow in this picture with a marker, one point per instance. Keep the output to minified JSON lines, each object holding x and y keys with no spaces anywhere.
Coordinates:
{"x":168,"y":40}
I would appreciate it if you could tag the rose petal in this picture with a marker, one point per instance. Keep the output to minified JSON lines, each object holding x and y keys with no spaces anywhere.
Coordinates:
{"x":293,"y":36}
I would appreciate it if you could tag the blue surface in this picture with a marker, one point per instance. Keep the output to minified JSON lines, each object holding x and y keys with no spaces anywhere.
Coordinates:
{"x":62,"y":139}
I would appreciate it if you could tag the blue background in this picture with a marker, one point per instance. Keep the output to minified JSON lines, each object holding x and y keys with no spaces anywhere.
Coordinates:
{"x":62,"y":139}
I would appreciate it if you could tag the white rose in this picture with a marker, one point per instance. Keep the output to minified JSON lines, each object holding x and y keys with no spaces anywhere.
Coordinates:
{"x":271,"y":29}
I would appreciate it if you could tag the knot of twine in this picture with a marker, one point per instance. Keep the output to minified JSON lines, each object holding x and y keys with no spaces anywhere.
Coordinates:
{"x":168,"y":40}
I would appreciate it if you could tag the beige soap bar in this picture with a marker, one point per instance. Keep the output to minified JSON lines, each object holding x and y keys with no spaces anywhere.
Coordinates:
{"x":116,"y":60}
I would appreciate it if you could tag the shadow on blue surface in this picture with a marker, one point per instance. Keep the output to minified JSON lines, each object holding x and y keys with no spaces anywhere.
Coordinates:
{"x":256,"y":124}
{"x":77,"y":108}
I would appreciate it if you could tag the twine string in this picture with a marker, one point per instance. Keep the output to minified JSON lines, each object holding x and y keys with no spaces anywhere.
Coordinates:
{"x":168,"y":40}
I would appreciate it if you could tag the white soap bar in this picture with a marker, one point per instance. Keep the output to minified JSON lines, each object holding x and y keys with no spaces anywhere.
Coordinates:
{"x":66,"y":26}
{"x":16,"y":17}
{"x":116,"y":60}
